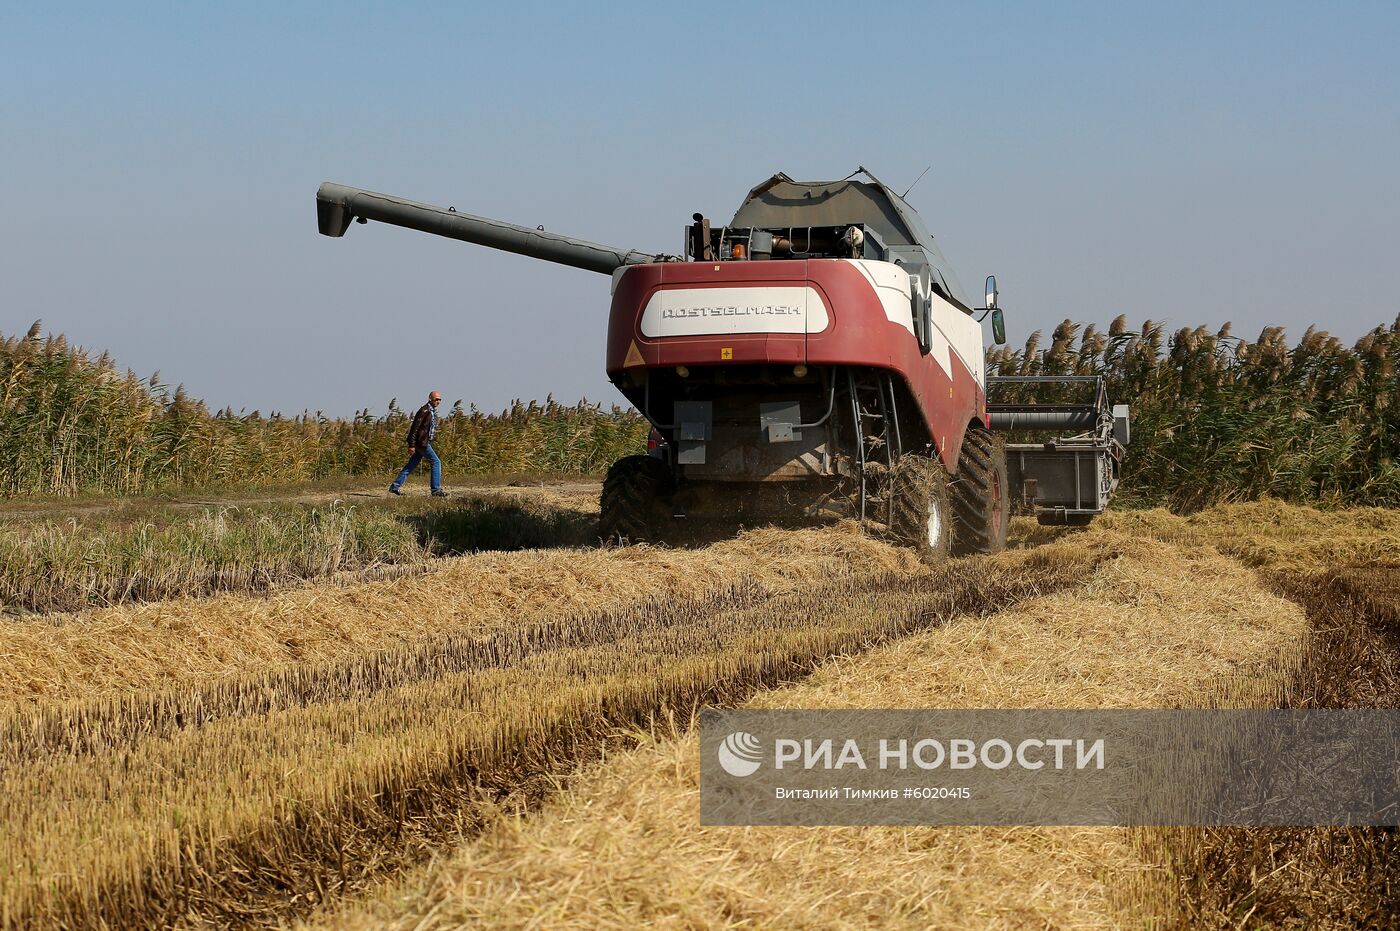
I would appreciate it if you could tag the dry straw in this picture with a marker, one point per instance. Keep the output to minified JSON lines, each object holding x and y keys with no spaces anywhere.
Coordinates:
{"x":623,"y":847}
{"x":187,"y":641}
{"x":244,"y":759}
{"x":215,"y":800}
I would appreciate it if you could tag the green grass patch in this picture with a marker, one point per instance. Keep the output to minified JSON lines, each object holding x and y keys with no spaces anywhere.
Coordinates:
{"x":147,"y":552}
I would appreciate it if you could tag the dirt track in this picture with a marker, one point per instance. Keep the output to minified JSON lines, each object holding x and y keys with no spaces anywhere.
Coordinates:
{"x":358,"y":491}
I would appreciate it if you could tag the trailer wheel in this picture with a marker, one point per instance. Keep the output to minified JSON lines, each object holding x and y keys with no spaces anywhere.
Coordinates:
{"x":633,"y":502}
{"x":921,"y":516}
{"x":981,"y":504}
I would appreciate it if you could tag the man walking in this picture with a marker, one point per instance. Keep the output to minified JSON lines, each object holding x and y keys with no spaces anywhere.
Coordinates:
{"x":420,"y":444}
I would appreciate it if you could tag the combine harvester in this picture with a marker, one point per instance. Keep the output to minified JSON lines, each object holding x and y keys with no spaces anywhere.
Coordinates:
{"x":815,"y":353}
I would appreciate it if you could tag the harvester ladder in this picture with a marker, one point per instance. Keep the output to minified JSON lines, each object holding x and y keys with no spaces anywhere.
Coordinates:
{"x":875,"y":421}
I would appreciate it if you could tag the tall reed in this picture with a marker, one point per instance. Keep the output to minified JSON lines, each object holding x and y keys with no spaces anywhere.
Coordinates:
{"x":71,"y":423}
{"x":1218,"y":418}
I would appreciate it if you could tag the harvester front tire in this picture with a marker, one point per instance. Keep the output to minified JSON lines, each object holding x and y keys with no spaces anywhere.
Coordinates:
{"x":633,"y":502}
{"x":921,"y":514}
{"x":981,"y":503}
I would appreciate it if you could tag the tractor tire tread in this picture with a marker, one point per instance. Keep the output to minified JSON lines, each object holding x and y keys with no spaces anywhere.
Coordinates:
{"x":630,"y":505}
{"x":981,"y":517}
{"x":917,"y":484}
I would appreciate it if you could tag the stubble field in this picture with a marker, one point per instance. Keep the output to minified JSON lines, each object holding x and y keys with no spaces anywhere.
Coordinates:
{"x":505,"y":737}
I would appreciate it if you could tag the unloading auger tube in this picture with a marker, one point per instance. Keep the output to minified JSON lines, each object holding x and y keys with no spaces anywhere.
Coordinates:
{"x":337,"y":205}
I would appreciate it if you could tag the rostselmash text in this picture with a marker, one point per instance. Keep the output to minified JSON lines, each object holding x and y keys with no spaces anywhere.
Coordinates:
{"x":1032,"y":754}
{"x":732,"y":310}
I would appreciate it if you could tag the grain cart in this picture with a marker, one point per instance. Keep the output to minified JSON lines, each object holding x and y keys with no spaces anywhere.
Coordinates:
{"x":816,"y":352}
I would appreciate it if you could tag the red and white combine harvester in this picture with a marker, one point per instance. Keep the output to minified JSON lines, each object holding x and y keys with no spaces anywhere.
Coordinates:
{"x":814,"y":354}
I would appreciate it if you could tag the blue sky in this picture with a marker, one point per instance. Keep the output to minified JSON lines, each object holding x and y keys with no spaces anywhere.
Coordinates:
{"x":1193,"y":163}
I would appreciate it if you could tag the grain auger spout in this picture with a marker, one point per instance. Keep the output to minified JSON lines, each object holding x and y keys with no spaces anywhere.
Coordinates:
{"x":337,"y":205}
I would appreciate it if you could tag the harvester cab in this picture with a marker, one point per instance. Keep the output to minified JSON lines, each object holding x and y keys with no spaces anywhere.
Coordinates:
{"x":815,"y":354}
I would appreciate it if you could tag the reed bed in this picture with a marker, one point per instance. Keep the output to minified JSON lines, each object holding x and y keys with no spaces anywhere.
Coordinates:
{"x":71,"y":423}
{"x":622,"y":846}
{"x":238,"y":809}
{"x":1218,"y":418}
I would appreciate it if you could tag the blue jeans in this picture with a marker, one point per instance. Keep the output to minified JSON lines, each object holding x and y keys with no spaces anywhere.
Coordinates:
{"x":413,"y":461}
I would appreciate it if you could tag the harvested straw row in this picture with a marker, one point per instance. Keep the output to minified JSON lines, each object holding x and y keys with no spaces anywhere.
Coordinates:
{"x":108,"y":724}
{"x":1227,"y":878}
{"x":1160,"y":626}
{"x":1276,"y":536}
{"x":190,"y":642}
{"x":228,"y":821}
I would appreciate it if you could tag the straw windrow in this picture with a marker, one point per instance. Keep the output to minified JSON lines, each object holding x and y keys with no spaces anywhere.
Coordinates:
{"x":224,"y":807}
{"x":190,"y":642}
{"x":1159,"y":625}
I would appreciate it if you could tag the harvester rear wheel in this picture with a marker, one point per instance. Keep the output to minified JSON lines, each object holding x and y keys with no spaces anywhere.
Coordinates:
{"x":920,"y":513}
{"x":981,"y":504}
{"x":633,"y":502}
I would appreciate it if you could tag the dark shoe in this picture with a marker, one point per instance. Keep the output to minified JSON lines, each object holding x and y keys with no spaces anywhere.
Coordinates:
{"x":441,"y":494}
{"x":393,"y":490}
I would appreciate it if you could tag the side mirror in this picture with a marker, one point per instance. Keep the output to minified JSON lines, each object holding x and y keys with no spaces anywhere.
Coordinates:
{"x":991,"y":292}
{"x":920,"y":289}
{"x":998,"y":326}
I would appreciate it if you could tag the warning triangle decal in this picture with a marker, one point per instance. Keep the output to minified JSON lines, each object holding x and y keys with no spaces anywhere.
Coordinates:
{"x":634,"y":356}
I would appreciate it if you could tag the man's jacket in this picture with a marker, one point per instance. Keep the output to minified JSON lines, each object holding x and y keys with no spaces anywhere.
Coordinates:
{"x":420,"y":432}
